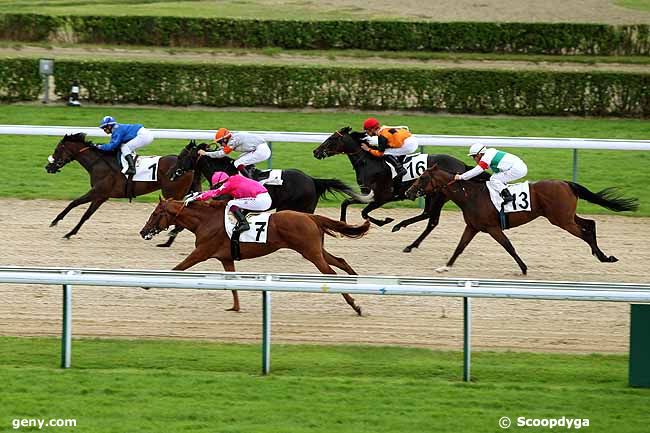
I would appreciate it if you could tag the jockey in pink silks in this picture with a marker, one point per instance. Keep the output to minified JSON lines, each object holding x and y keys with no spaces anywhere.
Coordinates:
{"x":247,"y":194}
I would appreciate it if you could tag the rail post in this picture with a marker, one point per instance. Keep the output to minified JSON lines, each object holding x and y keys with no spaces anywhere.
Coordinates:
{"x":266,"y":332}
{"x":66,"y":334}
{"x":467,"y":337}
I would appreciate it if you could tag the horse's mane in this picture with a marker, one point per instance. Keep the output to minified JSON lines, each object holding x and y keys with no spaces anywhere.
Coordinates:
{"x":79,"y":137}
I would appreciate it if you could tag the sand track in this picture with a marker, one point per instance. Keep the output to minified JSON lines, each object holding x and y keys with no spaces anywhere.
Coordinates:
{"x":110,"y":240}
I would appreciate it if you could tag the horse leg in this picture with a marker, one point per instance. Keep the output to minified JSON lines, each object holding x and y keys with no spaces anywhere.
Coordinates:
{"x":344,"y":208}
{"x":465,"y":239}
{"x":372,"y":206}
{"x":196,"y":256}
{"x":87,"y":197}
{"x":229,"y":266}
{"x":585,"y":229}
{"x":498,"y":235}
{"x":91,"y":210}
{"x":434,"y":218}
{"x":342,"y":264}
{"x":407,"y":222}
{"x":318,"y":259}
{"x":172,"y":236}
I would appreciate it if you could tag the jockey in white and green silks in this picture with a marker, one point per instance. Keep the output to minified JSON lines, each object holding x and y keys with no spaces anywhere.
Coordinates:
{"x":506,"y":167}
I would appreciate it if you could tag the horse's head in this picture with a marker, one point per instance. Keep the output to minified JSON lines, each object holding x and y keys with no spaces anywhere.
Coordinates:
{"x":342,"y":141}
{"x":161,"y":218}
{"x":184,"y":161}
{"x":433,"y":179}
{"x":67,"y":150}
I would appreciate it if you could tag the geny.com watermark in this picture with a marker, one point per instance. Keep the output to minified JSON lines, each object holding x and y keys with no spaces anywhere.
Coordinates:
{"x":17,"y":423}
{"x":563,"y":422}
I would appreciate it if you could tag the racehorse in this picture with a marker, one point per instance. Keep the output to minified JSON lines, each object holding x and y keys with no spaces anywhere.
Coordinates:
{"x":106,"y":178}
{"x":298,"y":191}
{"x":554,"y":199}
{"x":297,"y":231}
{"x":374,"y":175}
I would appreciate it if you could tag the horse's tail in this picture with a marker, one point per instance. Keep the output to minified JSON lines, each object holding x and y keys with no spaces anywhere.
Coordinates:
{"x":324,"y":186}
{"x":331,"y":227}
{"x":609,"y":198}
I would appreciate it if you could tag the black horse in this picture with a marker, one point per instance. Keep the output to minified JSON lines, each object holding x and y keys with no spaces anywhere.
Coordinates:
{"x":373,"y":174}
{"x":298,"y":191}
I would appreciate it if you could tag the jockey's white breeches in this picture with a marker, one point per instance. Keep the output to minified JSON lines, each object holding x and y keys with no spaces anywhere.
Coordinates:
{"x":410,"y":146}
{"x":500,"y":179}
{"x":142,"y":138}
{"x":259,"y":203}
{"x":261,"y":153}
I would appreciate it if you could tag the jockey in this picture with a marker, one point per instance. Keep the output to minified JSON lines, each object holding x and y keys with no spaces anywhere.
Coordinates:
{"x":392,"y":141}
{"x":253,"y":148}
{"x":247,"y":194}
{"x":128,"y":137}
{"x":506,"y":167}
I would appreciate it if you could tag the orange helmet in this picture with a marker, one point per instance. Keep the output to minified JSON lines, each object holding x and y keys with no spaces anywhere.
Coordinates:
{"x":222,"y":135}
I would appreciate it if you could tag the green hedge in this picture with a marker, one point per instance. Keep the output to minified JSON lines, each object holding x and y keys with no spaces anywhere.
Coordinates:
{"x":454,"y":90}
{"x":537,"y":38}
{"x":19,"y":80}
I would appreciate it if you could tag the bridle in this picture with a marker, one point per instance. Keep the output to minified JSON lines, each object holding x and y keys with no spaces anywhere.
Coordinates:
{"x":69,"y":156}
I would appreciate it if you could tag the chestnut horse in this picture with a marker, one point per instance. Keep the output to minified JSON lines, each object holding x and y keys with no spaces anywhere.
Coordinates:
{"x":106,"y":179}
{"x":298,"y":231}
{"x":554,"y":199}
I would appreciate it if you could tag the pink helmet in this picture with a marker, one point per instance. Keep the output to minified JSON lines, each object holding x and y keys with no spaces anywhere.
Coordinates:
{"x":219,"y":177}
{"x":370,"y":123}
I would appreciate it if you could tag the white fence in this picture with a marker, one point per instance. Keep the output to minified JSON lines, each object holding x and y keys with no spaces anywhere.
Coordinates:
{"x":353,"y":284}
{"x":313,"y":137}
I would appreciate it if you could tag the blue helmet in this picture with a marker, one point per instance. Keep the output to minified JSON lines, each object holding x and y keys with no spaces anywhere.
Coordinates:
{"x":107,"y":121}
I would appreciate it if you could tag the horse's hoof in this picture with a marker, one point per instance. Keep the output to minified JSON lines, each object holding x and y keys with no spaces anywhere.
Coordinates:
{"x":442,"y":269}
{"x":358,"y":310}
{"x":407,"y":249}
{"x":53,"y":223}
{"x":164,"y":245}
{"x":388,"y":220}
{"x":396,"y":228}
{"x":612,"y":259}
{"x":145,"y":288}
{"x":235,"y":309}
{"x":68,"y":236}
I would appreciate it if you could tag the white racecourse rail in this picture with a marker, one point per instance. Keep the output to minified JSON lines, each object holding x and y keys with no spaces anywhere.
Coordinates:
{"x":316,"y":283}
{"x":316,"y":137}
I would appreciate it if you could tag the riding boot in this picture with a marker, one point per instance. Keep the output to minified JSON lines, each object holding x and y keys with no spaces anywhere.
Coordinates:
{"x":242,"y":224}
{"x":395,"y":162}
{"x":131,"y":170}
{"x":244,"y":171}
{"x":507,"y":196}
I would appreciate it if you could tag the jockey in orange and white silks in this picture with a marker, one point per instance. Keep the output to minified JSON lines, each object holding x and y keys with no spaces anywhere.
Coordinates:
{"x":506,"y":167}
{"x":392,"y":141}
{"x":247,"y":194}
{"x":252,"y":148}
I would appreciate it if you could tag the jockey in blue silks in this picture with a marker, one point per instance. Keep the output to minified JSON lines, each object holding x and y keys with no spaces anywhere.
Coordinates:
{"x":128,"y":137}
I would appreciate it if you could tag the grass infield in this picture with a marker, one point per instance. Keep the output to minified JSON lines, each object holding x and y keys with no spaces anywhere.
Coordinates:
{"x":24,"y":157}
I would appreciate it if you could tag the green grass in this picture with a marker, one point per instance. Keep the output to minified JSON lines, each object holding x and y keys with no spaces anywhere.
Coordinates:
{"x":178,"y":386}
{"x":24,"y":157}
{"x":641,"y":5}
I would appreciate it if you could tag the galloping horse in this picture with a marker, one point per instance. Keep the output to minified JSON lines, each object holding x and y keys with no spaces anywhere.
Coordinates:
{"x":554,"y":199}
{"x":106,"y":179}
{"x":373,"y":174}
{"x":298,"y":231}
{"x":298,"y":191}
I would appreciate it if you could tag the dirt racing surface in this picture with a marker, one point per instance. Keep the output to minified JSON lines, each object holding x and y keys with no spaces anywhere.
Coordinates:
{"x":110,"y":239}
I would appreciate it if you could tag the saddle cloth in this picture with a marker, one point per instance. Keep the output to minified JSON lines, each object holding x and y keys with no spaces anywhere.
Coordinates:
{"x":146,"y":169}
{"x":522,"y":202}
{"x":259,"y":223}
{"x":414,"y":164}
{"x":275,"y":177}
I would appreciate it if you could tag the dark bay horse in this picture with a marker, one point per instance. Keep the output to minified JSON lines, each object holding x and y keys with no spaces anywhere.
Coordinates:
{"x":374,"y":175}
{"x":298,"y":191}
{"x":554,"y":199}
{"x":106,"y":179}
{"x":298,"y":231}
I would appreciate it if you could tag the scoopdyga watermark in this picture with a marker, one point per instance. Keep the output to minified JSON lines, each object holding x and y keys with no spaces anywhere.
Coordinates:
{"x":550,"y":423}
